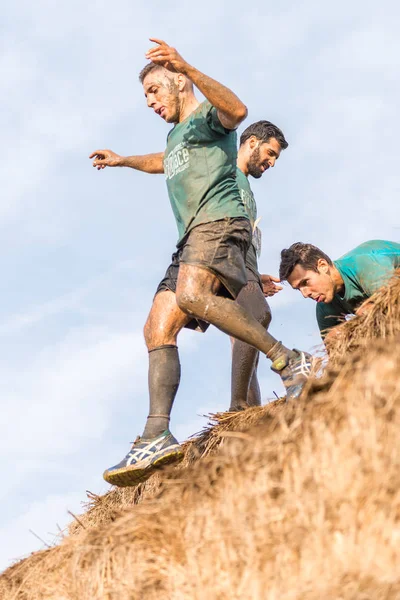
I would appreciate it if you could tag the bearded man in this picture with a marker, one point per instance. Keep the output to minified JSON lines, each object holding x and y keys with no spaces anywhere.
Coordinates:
{"x":260,"y":147}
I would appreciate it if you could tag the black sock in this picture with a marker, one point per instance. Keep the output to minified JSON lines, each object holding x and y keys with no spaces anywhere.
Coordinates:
{"x":164,"y":377}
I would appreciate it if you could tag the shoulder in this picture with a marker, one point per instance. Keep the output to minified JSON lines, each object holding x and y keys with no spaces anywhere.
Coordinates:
{"x":370,"y":250}
{"x":207,"y":113}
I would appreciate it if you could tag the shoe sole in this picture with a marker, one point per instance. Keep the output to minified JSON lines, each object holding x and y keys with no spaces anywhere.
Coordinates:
{"x":129,"y":476}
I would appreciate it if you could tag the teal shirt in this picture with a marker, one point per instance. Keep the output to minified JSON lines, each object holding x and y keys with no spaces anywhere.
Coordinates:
{"x":200,"y":169}
{"x":247,"y":196}
{"x":364,"y":270}
{"x":251,"y":207}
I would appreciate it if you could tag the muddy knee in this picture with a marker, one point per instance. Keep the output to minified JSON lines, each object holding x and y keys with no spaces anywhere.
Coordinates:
{"x":190,"y":302}
{"x":160,"y":331}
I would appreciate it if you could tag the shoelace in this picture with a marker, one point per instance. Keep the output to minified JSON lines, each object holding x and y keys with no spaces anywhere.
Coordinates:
{"x":304,"y":368}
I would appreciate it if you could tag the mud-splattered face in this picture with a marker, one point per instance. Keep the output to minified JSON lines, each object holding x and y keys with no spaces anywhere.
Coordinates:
{"x":162,"y":94}
{"x":264,"y":156}
{"x":317,"y":285}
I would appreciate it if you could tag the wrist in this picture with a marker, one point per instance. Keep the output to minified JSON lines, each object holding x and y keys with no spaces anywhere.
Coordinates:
{"x":121,"y":161}
{"x":188,"y":70}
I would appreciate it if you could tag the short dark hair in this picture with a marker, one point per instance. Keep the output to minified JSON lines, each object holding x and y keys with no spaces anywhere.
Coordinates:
{"x":264,"y":131}
{"x":148,"y":69}
{"x":305,"y":255}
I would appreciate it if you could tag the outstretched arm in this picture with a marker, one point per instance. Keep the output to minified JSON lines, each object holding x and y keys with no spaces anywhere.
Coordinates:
{"x":231,"y":111}
{"x":149,"y":163}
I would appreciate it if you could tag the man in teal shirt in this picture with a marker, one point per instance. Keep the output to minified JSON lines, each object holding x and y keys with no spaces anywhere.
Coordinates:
{"x":339,"y":287}
{"x":208,"y":269}
{"x":260,"y":147}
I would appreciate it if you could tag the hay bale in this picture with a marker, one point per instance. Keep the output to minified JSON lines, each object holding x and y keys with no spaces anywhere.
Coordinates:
{"x":382,"y":321}
{"x":106,"y":508}
{"x":306,"y":504}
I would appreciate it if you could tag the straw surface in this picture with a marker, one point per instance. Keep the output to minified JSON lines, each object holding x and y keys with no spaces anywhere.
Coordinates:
{"x":286,"y":501}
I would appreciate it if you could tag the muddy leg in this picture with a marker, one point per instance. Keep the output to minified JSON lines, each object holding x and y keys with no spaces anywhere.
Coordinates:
{"x":195,"y":295}
{"x":161,"y":330}
{"x":254,"y":393}
{"x":245,"y":389}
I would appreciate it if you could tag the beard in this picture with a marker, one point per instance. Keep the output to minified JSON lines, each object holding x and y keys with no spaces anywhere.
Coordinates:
{"x":253,"y":166}
{"x":173,"y":117}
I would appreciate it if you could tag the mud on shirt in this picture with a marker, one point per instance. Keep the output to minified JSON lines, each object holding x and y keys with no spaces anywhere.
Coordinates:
{"x":200,"y":170}
{"x":364,"y":270}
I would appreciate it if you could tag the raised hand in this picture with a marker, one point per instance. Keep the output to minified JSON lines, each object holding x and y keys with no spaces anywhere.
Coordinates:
{"x":269,"y":285}
{"x":166,"y":57}
{"x":105,"y":158}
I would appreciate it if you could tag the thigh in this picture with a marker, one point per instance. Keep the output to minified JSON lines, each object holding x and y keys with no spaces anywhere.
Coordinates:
{"x":220,"y":247}
{"x":165,"y":320}
{"x":196,"y":281}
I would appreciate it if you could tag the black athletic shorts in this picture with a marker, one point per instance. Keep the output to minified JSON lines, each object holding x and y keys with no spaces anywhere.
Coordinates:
{"x":220,"y":247}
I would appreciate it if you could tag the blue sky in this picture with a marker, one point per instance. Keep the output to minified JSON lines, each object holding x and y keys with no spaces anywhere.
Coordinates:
{"x":83,"y":251}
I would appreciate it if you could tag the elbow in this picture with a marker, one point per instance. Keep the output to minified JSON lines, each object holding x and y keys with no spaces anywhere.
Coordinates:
{"x":234,"y":116}
{"x":241,"y":113}
{"x":238,"y":115}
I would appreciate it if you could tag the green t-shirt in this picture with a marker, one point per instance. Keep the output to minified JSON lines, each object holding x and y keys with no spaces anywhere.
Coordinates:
{"x":364,"y":270}
{"x":200,"y":168}
{"x":251,"y":207}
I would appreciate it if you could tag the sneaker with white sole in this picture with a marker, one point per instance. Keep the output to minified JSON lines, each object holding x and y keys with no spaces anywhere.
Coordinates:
{"x":143,"y":459}
{"x":294,"y":372}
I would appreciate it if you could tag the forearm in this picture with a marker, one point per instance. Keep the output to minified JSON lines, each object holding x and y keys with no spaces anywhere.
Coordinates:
{"x":148,"y":163}
{"x":224,"y":100}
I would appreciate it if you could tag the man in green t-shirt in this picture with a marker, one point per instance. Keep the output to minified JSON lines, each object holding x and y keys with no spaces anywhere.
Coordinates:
{"x":260,"y":147}
{"x":339,"y":287}
{"x":214,"y":236}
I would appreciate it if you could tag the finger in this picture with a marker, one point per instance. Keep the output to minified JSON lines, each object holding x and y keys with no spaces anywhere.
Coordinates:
{"x":156,"y":53}
{"x":96,"y":152}
{"x":278,"y":288}
{"x":155,"y":50}
{"x":158,"y":41}
{"x":158,"y":60}
{"x":275,"y":279}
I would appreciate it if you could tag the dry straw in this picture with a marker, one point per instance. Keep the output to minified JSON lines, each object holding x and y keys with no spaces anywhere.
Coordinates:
{"x":288,"y":501}
{"x":382,"y":320}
